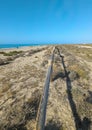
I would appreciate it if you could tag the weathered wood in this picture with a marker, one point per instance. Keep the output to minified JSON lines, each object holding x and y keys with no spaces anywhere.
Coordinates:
{"x":43,"y":104}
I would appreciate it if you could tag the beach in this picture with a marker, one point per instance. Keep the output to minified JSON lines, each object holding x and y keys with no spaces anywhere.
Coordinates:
{"x":22,"y":78}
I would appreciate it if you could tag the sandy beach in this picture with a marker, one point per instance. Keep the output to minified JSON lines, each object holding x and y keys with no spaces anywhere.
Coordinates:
{"x":24,"y":48}
{"x":22,"y":78}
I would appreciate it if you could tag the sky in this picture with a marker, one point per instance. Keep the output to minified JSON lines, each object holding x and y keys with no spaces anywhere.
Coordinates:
{"x":45,"y":21}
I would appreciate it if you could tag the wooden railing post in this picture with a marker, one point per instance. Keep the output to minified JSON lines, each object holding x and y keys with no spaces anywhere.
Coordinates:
{"x":41,"y":116}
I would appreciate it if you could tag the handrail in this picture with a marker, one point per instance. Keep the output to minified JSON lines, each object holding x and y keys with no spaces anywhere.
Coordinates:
{"x":41,"y":116}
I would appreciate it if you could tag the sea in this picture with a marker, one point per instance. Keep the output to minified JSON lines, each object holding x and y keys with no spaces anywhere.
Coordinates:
{"x":18,"y":45}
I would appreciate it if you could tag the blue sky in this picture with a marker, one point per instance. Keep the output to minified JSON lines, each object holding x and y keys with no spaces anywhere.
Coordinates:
{"x":45,"y":21}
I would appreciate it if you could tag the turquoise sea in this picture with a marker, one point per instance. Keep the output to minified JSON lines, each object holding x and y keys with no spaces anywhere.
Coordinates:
{"x":17,"y":45}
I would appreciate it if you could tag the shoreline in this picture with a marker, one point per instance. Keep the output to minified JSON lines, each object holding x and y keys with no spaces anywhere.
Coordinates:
{"x":21,"y":48}
{"x":17,"y":46}
{"x":11,"y":47}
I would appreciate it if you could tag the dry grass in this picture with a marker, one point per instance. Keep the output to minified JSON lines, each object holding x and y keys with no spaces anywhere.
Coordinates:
{"x":22,"y":114}
{"x":79,"y":70}
{"x":11,"y":53}
{"x":4,"y":89}
{"x":84,"y":109}
{"x":26,"y":83}
{"x":85,"y":53}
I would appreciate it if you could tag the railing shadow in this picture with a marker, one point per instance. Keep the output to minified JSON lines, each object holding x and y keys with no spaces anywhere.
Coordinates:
{"x":89,"y":99}
{"x":17,"y":127}
{"x":53,"y":126}
{"x":79,"y":124}
{"x":58,"y":75}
